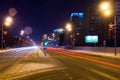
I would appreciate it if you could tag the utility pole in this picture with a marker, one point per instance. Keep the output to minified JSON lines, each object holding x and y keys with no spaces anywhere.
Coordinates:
{"x":115,"y":40}
{"x":2,"y":37}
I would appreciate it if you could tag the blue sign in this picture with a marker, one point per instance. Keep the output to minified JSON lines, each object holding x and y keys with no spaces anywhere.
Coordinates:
{"x":91,"y":39}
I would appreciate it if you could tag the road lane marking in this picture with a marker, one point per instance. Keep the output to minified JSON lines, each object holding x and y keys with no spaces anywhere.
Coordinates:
{"x":67,"y":75}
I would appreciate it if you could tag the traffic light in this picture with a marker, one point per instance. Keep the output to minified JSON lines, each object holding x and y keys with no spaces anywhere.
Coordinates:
{"x":5,"y":32}
{"x":45,"y":43}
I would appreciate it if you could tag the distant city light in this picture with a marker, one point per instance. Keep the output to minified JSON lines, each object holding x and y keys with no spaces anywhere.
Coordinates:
{"x":69,"y":27}
{"x":60,"y":30}
{"x":22,"y":32}
{"x":80,"y":15}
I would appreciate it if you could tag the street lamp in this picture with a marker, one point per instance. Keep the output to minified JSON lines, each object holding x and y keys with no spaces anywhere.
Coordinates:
{"x":7,"y":22}
{"x":53,"y":35}
{"x":104,"y":5}
{"x":53,"y":38}
{"x":69,"y":28}
{"x":106,"y":8}
{"x":22,"y":32}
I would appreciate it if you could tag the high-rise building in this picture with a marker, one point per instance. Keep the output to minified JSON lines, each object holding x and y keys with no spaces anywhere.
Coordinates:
{"x":78,"y":28}
{"x":117,"y":8}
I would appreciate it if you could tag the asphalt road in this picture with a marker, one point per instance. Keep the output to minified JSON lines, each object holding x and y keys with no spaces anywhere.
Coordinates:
{"x":77,"y":66}
{"x":90,"y":67}
{"x":9,"y":58}
{"x":24,"y":62}
{"x":31,"y":64}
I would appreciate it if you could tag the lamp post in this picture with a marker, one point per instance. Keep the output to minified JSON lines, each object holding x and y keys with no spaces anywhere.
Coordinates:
{"x":7,"y":22}
{"x":106,"y":8}
{"x":2,"y":38}
{"x":69,"y":28}
{"x":115,"y":40}
{"x":22,"y":32}
{"x":53,"y":37}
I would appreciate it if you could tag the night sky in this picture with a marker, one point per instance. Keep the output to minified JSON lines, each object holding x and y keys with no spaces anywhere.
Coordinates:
{"x":43,"y":16}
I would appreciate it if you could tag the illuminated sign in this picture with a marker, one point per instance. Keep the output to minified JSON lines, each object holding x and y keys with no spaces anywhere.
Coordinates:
{"x":91,"y":39}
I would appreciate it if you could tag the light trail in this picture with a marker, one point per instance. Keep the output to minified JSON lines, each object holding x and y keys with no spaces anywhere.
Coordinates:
{"x":83,"y":56}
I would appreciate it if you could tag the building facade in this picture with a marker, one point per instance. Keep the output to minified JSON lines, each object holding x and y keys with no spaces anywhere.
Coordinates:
{"x":97,"y":24}
{"x":91,"y":22}
{"x":78,"y":28}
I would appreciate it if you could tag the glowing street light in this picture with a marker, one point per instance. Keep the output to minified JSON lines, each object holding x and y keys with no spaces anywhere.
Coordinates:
{"x":22,"y":32}
{"x":69,"y":27}
{"x":9,"y":19}
{"x":53,"y":34}
{"x":106,"y":8}
{"x":7,"y":22}
{"x":107,"y":12}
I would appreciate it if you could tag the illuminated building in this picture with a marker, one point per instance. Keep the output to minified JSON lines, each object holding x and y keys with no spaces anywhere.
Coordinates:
{"x":96,"y":24}
{"x":78,"y":28}
{"x":59,"y":36}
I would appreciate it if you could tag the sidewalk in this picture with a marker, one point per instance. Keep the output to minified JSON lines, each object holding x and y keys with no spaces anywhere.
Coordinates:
{"x":97,"y":53}
{"x":5,"y":50}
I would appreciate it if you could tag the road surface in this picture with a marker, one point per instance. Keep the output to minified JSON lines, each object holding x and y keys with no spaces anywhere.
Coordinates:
{"x":31,"y":64}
